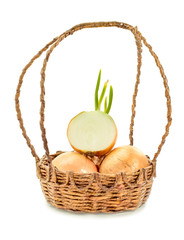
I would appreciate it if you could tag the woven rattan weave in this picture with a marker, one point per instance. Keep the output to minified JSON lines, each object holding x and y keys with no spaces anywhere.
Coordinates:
{"x":94,"y":192}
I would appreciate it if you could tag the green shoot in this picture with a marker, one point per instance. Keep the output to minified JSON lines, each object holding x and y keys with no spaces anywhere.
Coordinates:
{"x":96,"y":90}
{"x":110,"y":100}
{"x":105,"y":105}
{"x":98,"y":102}
{"x":102,"y":94}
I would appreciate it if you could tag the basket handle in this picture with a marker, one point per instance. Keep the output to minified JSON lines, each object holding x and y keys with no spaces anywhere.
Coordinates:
{"x":54,"y":43}
{"x":17,"y":96}
{"x":167,"y":95}
{"x":62,"y":37}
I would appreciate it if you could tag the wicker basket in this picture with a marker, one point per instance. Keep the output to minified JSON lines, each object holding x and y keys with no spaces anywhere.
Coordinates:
{"x":94,"y":192}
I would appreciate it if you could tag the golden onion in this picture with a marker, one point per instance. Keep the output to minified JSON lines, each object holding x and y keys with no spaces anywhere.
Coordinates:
{"x":74,"y":161}
{"x":126,"y":159}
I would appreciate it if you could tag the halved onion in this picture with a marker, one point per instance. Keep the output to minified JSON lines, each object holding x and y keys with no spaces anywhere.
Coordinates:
{"x":93,"y":131}
{"x":74,"y":161}
{"x":124,"y":159}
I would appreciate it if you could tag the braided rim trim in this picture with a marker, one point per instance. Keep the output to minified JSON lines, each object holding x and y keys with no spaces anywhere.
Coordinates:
{"x":119,"y":178}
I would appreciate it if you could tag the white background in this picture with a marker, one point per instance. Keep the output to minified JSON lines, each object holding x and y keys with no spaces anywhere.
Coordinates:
{"x":26,"y":26}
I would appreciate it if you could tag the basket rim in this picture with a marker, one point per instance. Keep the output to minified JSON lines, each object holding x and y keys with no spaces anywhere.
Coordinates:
{"x":50,"y":165}
{"x":49,"y":174}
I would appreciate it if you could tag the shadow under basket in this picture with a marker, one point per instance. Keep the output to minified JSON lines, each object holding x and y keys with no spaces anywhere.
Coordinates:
{"x":94,"y":192}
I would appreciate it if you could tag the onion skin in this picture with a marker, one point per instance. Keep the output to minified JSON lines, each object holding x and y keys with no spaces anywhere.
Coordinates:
{"x":74,"y":161}
{"x":98,"y":153}
{"x":125,"y":159}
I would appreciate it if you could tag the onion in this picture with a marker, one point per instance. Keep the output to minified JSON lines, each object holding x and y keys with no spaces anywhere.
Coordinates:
{"x":93,"y":131}
{"x":73,"y":161}
{"x":126,"y":159}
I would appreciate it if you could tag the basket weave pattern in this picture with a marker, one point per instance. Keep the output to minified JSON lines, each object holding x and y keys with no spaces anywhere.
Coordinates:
{"x":94,"y":192}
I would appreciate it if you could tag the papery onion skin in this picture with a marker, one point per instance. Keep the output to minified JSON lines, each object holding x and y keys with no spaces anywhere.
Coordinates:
{"x":125,"y":159}
{"x":74,"y":161}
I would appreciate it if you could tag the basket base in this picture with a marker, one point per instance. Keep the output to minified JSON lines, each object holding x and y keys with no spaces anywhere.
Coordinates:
{"x":104,"y":202}
{"x":96,"y":211}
